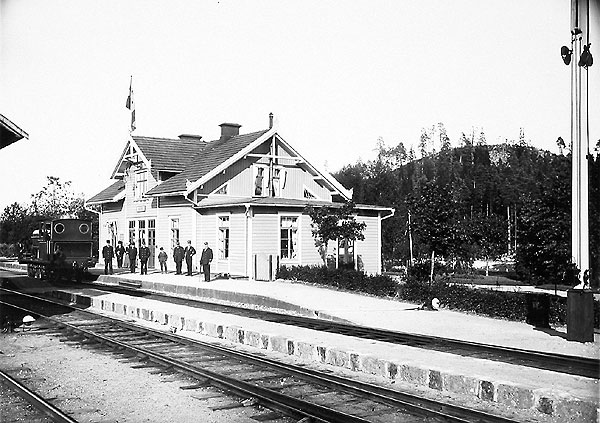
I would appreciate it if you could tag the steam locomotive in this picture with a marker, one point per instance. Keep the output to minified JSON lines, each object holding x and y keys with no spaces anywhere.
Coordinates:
{"x":60,"y":248}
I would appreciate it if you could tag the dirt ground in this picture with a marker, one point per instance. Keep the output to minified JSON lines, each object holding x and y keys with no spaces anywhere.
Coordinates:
{"x":96,"y":386}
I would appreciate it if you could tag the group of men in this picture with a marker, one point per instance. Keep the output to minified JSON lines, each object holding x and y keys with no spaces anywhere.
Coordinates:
{"x":179,"y":254}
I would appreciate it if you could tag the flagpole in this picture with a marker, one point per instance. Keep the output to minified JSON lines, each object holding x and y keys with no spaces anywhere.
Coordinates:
{"x":130,"y":104}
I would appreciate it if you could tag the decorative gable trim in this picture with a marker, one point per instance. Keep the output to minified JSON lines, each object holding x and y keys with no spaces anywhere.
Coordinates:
{"x":321,"y":174}
{"x":124,"y":157}
{"x":223,"y":166}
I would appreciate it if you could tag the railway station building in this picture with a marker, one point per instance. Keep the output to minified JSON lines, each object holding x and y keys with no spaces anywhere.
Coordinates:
{"x":244,"y":194}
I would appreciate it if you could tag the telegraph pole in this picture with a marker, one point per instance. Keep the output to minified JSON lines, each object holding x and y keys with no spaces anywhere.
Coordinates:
{"x":580,"y":139}
{"x":580,"y":316}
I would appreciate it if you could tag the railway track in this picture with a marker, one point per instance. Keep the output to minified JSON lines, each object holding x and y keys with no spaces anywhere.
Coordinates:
{"x":286,"y":389}
{"x":568,"y":364}
{"x":20,"y":403}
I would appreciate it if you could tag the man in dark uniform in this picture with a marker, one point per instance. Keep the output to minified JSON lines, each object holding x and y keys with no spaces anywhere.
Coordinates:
{"x":108,"y":253}
{"x":178,"y":254}
{"x":205,"y":259}
{"x":119,"y":252}
{"x":189,"y":254}
{"x":57,"y":262}
{"x":144,"y":256}
{"x":132,"y":253}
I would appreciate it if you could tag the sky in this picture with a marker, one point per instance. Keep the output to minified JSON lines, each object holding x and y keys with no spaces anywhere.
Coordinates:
{"x":337,"y":75}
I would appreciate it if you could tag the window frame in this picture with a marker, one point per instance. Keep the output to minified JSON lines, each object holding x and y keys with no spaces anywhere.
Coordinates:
{"x":298,"y":219}
{"x":173,"y":230}
{"x":226,"y":250}
{"x":140,"y":184}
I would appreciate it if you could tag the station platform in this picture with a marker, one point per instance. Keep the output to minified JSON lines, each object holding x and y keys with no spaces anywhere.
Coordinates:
{"x":559,"y":396}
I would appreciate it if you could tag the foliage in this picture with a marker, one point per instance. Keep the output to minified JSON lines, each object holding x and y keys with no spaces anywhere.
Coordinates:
{"x":8,"y":250}
{"x":54,"y":200}
{"x":476,"y":201}
{"x":485,"y":302}
{"x":332,"y":223}
{"x":15,"y":224}
{"x":497,"y":304}
{"x":351,"y":280}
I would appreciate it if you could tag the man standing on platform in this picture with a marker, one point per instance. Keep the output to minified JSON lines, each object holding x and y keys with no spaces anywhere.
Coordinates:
{"x":132,"y":254}
{"x":178,"y":254}
{"x":108,"y":254}
{"x":205,"y":259}
{"x":189,"y":254}
{"x":120,"y":252}
{"x":144,"y":256}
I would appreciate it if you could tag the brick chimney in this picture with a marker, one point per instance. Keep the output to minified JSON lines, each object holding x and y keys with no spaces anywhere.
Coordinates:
{"x":190,"y":137}
{"x":229,"y":130}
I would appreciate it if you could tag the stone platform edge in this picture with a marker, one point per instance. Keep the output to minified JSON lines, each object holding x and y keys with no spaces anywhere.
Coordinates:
{"x":549,"y":402}
{"x":217,"y":295}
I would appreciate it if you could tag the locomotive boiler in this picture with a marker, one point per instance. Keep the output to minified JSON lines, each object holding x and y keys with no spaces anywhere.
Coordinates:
{"x":60,"y":248}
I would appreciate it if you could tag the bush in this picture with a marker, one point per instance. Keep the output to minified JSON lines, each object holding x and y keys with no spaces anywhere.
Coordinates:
{"x":8,"y":250}
{"x":349,"y":279}
{"x":485,"y":302}
{"x":416,"y":289}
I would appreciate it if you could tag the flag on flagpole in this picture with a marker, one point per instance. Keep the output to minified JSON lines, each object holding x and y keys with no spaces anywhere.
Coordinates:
{"x":130,"y":105}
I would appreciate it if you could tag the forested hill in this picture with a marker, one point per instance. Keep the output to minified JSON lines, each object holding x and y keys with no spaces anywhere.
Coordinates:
{"x":478,"y":201}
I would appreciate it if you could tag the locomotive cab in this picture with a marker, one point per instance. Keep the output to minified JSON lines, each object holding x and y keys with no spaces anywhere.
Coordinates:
{"x":72,"y":237}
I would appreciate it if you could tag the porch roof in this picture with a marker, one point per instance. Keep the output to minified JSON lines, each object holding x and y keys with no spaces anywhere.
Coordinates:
{"x":114,"y":192}
{"x":209,"y":203}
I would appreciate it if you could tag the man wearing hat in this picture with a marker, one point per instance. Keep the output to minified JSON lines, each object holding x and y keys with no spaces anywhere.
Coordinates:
{"x":205,"y":259}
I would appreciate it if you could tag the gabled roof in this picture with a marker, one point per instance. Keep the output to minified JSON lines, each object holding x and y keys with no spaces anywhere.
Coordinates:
{"x":167,"y":154}
{"x":113,"y":193}
{"x":162,"y":154}
{"x":213,"y":155}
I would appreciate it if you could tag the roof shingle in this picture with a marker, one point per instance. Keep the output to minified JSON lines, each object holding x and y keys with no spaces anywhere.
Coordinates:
{"x":169,"y":154}
{"x":108,"y":194}
{"x":212,"y":155}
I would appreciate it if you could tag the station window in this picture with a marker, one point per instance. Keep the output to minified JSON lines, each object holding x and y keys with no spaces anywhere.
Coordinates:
{"x":141,"y":232}
{"x":260,"y":179}
{"x":174,"y":232}
{"x":140,"y":184}
{"x":223,"y":238}
{"x":132,"y":231}
{"x":288,"y":229}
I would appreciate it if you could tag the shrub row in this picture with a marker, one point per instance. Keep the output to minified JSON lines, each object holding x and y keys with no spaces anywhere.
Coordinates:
{"x":485,"y":302}
{"x":8,"y":250}
{"x":348,"y":279}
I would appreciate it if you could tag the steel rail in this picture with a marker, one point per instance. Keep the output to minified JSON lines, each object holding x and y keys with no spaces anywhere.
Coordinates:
{"x":34,"y":399}
{"x":561,"y":363}
{"x":271,"y":399}
{"x":412,"y":403}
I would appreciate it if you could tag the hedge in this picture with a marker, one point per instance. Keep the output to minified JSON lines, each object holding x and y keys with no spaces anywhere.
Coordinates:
{"x":347,"y":279}
{"x":485,"y":302}
{"x":8,"y":250}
